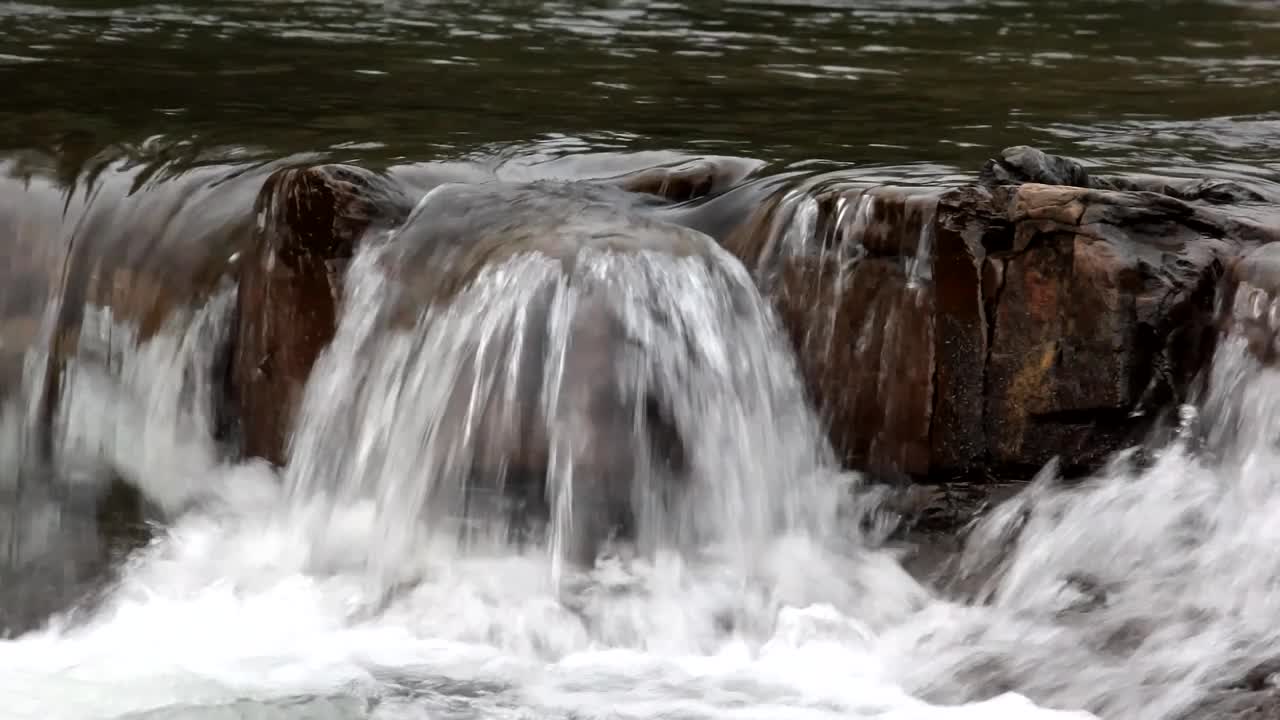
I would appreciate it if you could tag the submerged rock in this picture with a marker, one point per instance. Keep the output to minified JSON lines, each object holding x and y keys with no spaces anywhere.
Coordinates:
{"x":61,"y":540}
{"x":119,"y":241}
{"x":102,"y":253}
{"x":1237,"y":705}
{"x":1022,"y":164}
{"x":688,"y":180}
{"x":566,"y":364}
{"x":562,"y":387}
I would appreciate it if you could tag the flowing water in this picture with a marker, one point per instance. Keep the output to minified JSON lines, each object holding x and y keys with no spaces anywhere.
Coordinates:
{"x":921,"y":89}
{"x":395,"y":566}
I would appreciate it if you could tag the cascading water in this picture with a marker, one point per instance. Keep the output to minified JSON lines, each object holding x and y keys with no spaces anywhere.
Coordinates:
{"x":646,"y":382}
{"x":849,"y":267}
{"x":1145,"y":592}
{"x":348,"y":588}
{"x":388,"y":570}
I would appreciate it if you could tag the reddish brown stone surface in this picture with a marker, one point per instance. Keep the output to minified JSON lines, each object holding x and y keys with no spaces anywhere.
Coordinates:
{"x":1103,"y":306}
{"x":1043,"y":311}
{"x":309,"y":221}
{"x":1061,"y":318}
{"x":966,"y":281}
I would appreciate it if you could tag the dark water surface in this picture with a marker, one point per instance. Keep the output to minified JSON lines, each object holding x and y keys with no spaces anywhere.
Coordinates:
{"x":918,"y":89}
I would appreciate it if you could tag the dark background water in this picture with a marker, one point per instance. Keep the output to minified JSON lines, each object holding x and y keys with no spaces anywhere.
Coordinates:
{"x":918,"y":89}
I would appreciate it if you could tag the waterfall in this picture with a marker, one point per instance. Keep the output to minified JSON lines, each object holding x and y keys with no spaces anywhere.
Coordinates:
{"x":620,"y":382}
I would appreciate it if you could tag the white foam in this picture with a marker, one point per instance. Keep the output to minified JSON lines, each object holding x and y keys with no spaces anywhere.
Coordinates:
{"x":297,"y":598}
{"x":230,"y":607}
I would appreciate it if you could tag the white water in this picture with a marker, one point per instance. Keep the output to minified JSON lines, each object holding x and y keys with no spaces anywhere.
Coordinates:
{"x":297,"y":597}
{"x":421,"y":409}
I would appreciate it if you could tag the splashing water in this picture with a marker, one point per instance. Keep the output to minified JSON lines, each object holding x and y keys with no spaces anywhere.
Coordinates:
{"x":376,"y":579}
{"x":635,"y":379}
{"x":1141,"y":593}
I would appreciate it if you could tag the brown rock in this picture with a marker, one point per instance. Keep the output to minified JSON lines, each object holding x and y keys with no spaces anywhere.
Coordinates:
{"x":689,"y":180}
{"x":962,"y":281}
{"x":1038,"y":313}
{"x":309,"y":222}
{"x":848,"y":270}
{"x":1022,"y":164}
{"x":444,"y":252}
{"x":1060,"y":315}
{"x":1104,"y":301}
{"x":501,"y":434}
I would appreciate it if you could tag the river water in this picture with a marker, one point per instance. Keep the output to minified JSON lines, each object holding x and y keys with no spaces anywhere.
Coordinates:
{"x":924,"y":89}
{"x":344,"y":585}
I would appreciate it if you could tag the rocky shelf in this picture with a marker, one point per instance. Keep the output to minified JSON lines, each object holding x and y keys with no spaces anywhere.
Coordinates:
{"x":1037,"y":313}
{"x":944,"y":333}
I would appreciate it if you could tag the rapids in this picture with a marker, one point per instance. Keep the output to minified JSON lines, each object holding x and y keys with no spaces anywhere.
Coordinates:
{"x":149,"y":572}
{"x":272,"y":600}
{"x":362,"y":580}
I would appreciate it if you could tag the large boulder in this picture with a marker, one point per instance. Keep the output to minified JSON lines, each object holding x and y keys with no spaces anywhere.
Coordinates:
{"x":1041,"y":312}
{"x":1102,"y":309}
{"x":310,"y":219}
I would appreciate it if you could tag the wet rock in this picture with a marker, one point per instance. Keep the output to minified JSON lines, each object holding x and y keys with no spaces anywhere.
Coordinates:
{"x":493,"y":428}
{"x":848,"y":270}
{"x":1040,"y":312}
{"x":1104,"y":307}
{"x":61,"y":539}
{"x":1214,"y":191}
{"x":118,"y":239}
{"x":309,"y":221}
{"x":140,"y":238}
{"x":1261,"y":676}
{"x":106,"y":253}
{"x":942,"y":332}
{"x":618,"y":434}
{"x":997,"y":325}
{"x":964,"y":286}
{"x":1022,"y":164}
{"x":688,"y":180}
{"x":1251,"y":301}
{"x":870,"y":369}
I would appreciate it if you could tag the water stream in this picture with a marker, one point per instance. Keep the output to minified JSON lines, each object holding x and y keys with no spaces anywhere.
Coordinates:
{"x":383,"y":572}
{"x":587,"y":481}
{"x":347,"y":586}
